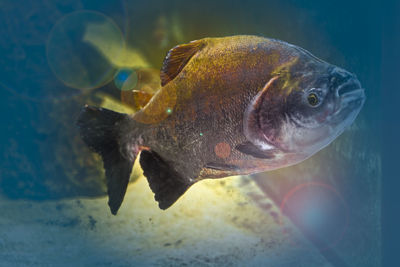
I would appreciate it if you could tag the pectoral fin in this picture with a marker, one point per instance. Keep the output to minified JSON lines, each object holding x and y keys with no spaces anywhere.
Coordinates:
{"x":252,"y":150}
{"x":221,"y":166}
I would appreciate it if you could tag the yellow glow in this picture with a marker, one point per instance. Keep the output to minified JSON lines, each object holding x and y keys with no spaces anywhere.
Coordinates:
{"x":102,"y":37}
{"x":209,"y":209}
{"x":284,"y":72}
{"x":114,"y":105}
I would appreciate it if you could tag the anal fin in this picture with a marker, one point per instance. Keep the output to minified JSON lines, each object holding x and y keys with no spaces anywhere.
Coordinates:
{"x":164,"y":181}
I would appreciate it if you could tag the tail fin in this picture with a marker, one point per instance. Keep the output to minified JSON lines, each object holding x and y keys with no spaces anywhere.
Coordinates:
{"x":99,"y":130}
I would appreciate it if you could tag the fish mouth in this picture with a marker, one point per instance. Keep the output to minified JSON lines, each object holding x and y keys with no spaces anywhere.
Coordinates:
{"x":355,"y":97}
{"x":350,"y":86}
{"x":350,"y":96}
{"x":351,"y":100}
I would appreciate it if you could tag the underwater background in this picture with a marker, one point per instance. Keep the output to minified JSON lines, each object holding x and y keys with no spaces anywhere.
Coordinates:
{"x":57,"y":55}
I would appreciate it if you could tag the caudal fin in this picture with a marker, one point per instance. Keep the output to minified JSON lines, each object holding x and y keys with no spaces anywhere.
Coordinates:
{"x":99,"y":129}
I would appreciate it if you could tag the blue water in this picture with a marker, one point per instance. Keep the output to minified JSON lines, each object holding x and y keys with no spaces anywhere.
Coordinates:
{"x":41,"y":155}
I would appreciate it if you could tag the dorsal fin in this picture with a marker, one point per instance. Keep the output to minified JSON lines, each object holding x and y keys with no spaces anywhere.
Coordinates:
{"x":177,"y":58}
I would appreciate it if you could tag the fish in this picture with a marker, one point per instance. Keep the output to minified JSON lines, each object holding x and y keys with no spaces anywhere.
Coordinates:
{"x":227,"y":106}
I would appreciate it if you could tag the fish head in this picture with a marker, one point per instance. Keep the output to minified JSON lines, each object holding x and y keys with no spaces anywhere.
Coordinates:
{"x":301,"y":113}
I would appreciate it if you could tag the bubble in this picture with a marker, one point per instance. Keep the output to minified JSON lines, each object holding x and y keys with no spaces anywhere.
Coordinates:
{"x":139,"y":87}
{"x":126,"y":79}
{"x":319,"y":211}
{"x":148,"y":80}
{"x":222,"y":150}
{"x":79,"y":48}
{"x":155,"y":111}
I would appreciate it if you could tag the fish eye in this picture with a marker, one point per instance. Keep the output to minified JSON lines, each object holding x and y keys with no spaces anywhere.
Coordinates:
{"x":313,"y":99}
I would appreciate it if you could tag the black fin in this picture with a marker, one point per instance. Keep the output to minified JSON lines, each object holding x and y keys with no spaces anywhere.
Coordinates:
{"x":250,"y":149}
{"x":165,"y":182}
{"x":98,"y":128}
{"x":177,"y":58}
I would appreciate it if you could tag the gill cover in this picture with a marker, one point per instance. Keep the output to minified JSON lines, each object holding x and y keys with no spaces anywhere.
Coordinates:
{"x":251,"y":123}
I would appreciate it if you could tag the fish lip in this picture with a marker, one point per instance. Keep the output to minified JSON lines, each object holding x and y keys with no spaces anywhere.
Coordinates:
{"x":360,"y":92}
{"x":350,"y":85}
{"x":353,"y":97}
{"x":356,"y":97}
{"x":350,"y":105}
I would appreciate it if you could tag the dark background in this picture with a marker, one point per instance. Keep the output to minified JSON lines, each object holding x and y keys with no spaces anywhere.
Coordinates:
{"x":391,"y":133}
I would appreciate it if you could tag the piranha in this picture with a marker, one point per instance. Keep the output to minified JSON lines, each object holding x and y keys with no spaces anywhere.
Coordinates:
{"x":227,"y":106}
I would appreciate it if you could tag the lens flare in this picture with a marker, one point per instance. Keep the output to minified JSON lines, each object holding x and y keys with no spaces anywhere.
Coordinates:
{"x":126,"y":79}
{"x":76,"y":46}
{"x":319,"y":210}
{"x":139,"y":87}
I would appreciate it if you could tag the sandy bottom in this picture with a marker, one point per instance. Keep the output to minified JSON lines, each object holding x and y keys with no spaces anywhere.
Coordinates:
{"x":227,"y":222}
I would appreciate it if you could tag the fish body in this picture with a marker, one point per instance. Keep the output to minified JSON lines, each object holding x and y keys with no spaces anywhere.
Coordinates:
{"x":227,"y":106}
